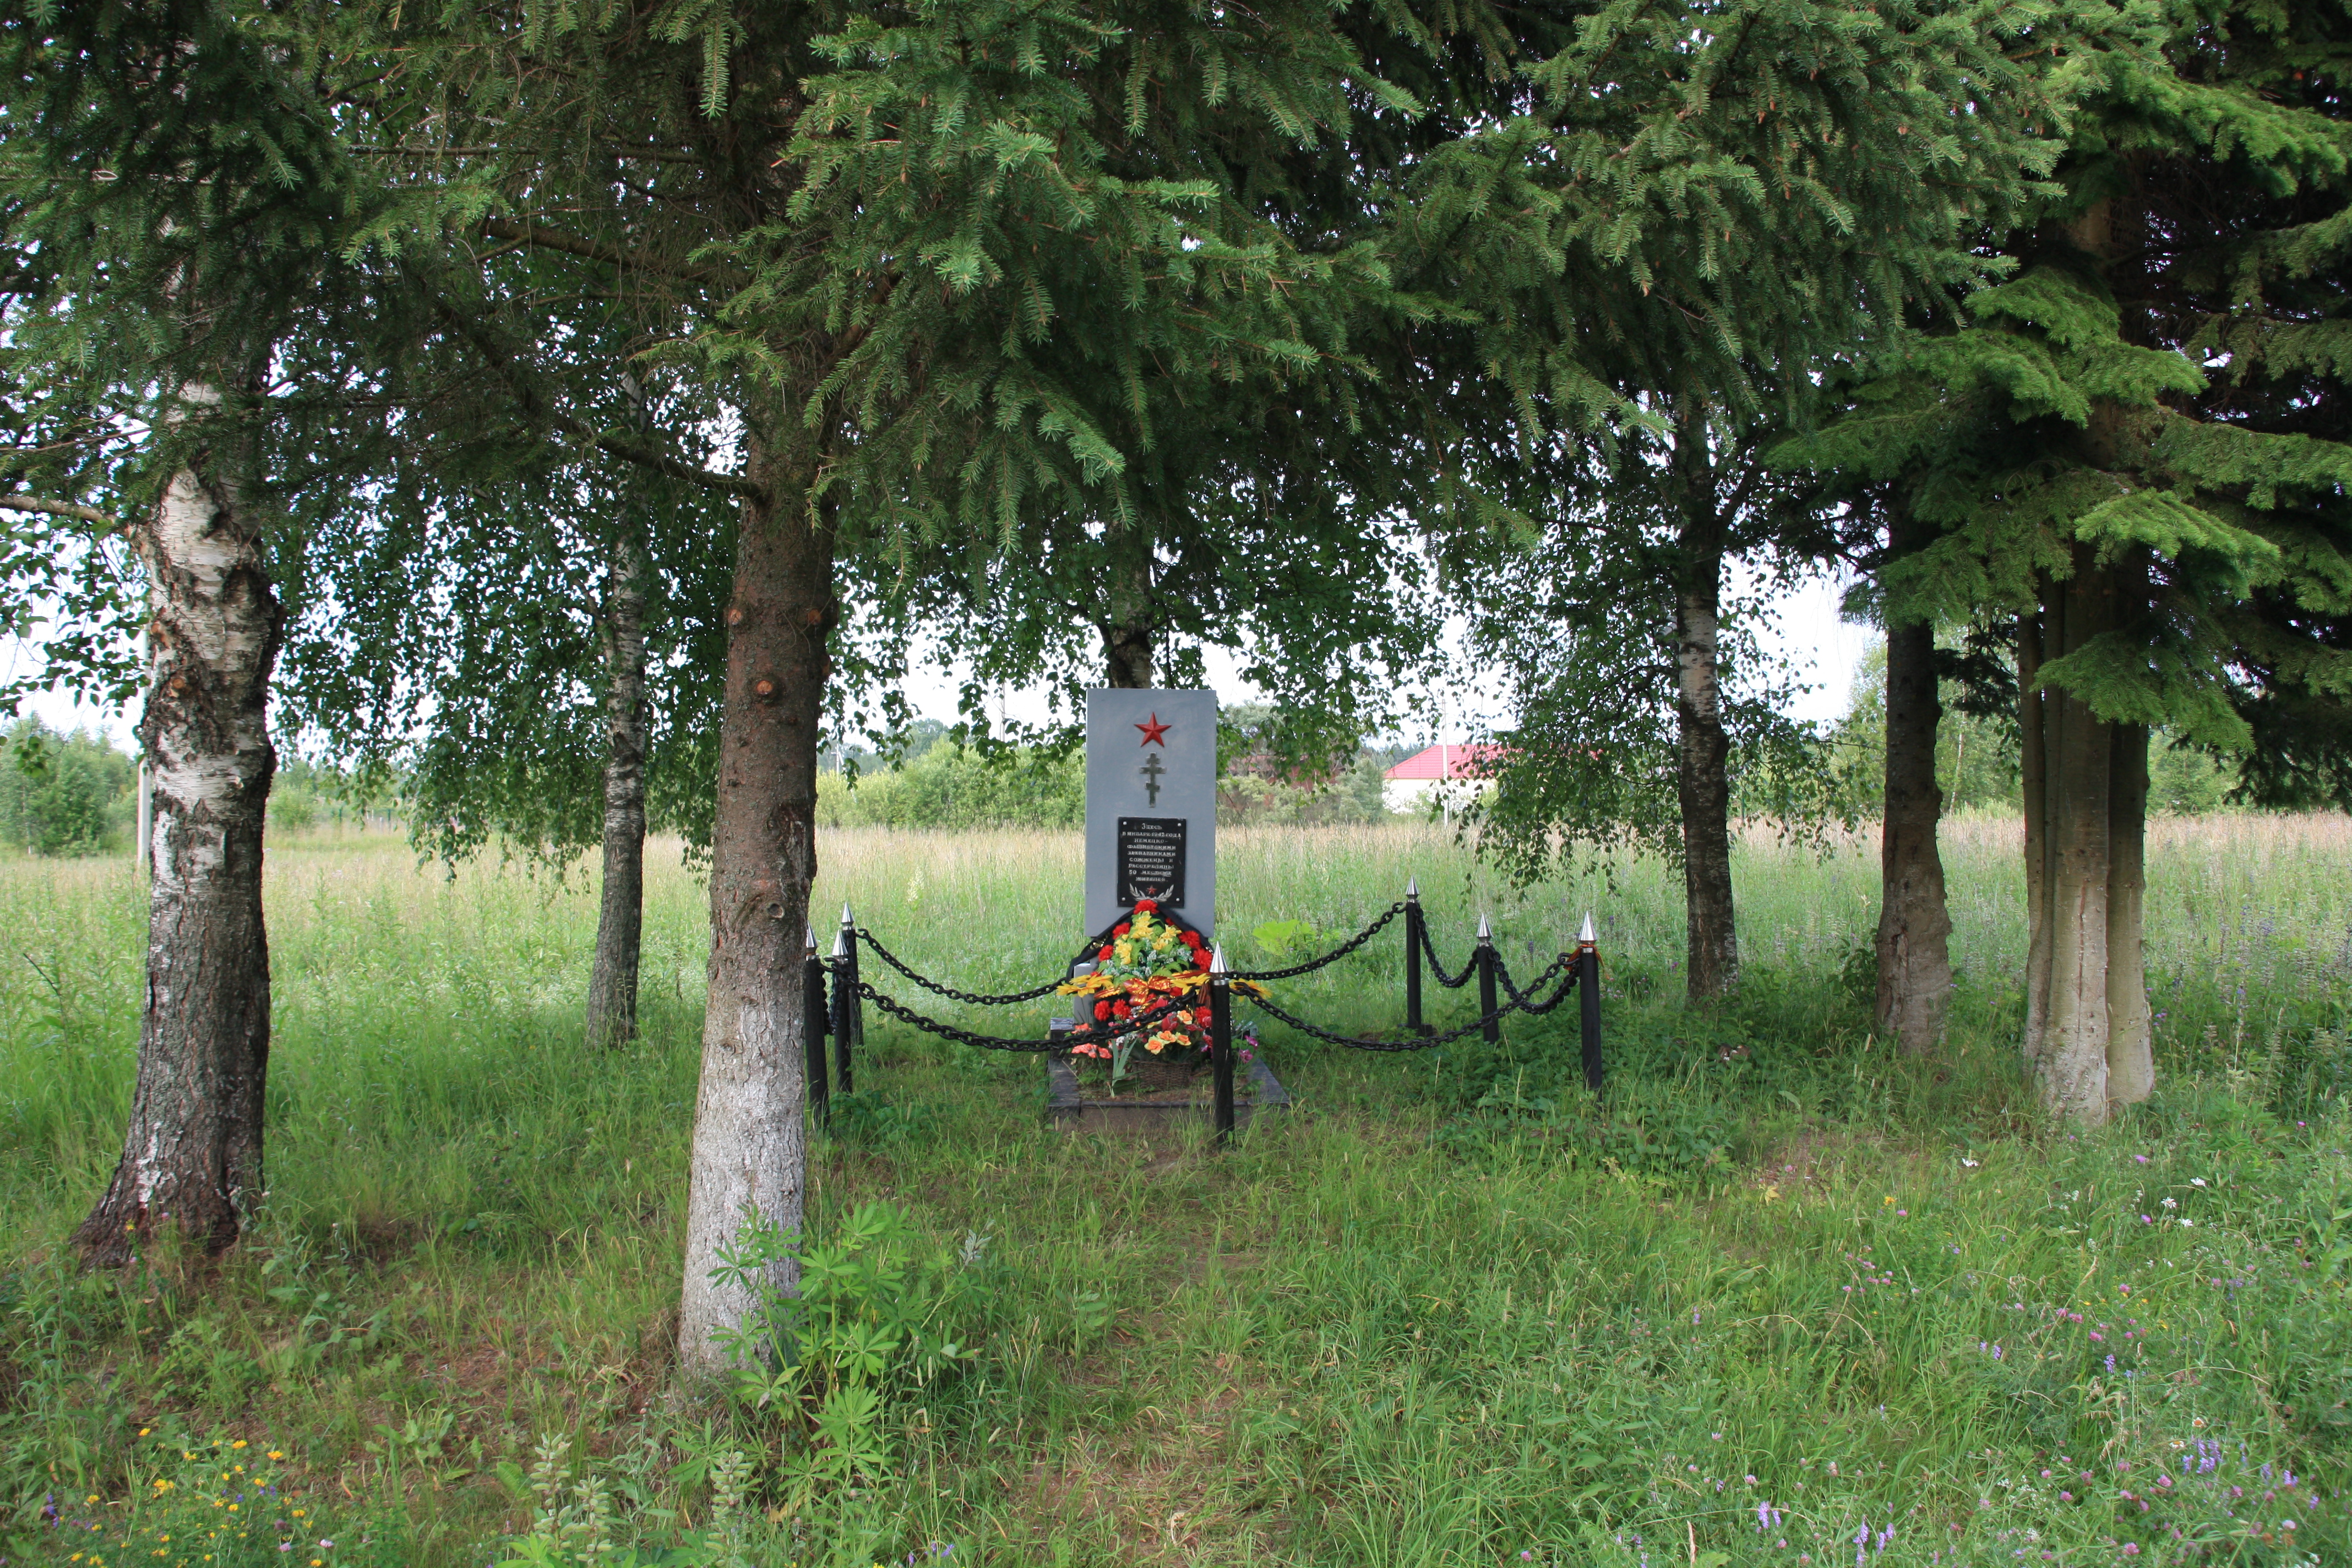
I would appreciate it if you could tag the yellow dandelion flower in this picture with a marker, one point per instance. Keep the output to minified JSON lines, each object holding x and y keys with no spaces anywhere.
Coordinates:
{"x":276,"y":1454}
{"x":239,"y":1444}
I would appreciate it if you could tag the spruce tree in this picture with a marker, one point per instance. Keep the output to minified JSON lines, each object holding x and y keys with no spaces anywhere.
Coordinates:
{"x":2082,"y":445}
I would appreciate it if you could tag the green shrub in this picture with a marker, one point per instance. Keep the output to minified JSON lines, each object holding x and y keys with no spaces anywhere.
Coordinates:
{"x":951,"y":786}
{"x":62,"y":794}
{"x":877,"y":1321}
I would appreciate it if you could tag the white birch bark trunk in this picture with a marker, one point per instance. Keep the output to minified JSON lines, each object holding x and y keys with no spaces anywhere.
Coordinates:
{"x":192,"y":1153}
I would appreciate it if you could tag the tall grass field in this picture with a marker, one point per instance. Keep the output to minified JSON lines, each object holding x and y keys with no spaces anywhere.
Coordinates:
{"x":1777,"y":1297}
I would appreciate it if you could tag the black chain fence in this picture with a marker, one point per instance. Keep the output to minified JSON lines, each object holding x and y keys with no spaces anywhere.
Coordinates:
{"x":1521,"y":999}
{"x":977,"y":999}
{"x":1437,"y":970}
{"x":1312,"y":964}
{"x":1519,"y":1002}
{"x":1109,"y":1031}
{"x":1010,"y":998}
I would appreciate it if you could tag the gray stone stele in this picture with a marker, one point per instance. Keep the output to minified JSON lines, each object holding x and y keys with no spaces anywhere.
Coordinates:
{"x":1125,"y":736}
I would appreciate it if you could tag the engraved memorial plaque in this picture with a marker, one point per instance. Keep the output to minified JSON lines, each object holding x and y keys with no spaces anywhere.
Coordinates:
{"x":1151,"y":860}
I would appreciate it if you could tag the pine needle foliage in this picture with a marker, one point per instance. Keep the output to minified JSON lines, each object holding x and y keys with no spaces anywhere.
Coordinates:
{"x":2121,"y":401}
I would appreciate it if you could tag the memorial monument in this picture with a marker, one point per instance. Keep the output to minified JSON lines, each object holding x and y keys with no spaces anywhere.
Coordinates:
{"x":1151,"y":805}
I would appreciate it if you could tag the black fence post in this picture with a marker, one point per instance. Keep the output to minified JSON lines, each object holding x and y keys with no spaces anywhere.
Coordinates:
{"x":820,"y":1095}
{"x":1220,"y":1042}
{"x":857,"y":1003}
{"x":843,"y":1001}
{"x":1588,"y":998}
{"x":1412,"y":943}
{"x":1493,"y":1029}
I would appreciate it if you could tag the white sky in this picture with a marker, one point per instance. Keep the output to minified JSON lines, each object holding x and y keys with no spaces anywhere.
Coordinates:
{"x":1809,"y":632}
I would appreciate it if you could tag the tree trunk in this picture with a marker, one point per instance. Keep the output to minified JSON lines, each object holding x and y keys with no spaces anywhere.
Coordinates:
{"x":1704,"y":788}
{"x":2131,"y":1057}
{"x":2072,"y":916}
{"x":2034,"y":781}
{"x":1127,"y":624}
{"x":612,"y":1016}
{"x":1126,"y":656}
{"x":2131,"y":1062}
{"x":1914,"y":966}
{"x":750,"y":1147}
{"x":192,"y":1154}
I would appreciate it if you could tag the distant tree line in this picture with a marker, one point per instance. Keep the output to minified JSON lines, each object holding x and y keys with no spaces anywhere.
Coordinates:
{"x":64,"y":793}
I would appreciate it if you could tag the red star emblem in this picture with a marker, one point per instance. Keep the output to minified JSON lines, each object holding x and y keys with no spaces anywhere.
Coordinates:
{"x":1154,"y":733}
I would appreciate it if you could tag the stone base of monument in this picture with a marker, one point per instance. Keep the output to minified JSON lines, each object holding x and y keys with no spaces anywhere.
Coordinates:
{"x":1076,"y":1108}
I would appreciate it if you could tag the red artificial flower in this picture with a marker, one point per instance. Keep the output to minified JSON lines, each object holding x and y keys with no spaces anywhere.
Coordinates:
{"x":1119,"y":930}
{"x":1120,"y":1009}
{"x":1102,"y":1011}
{"x":1146,"y":906}
{"x":1201,"y":1016}
{"x":1104,"y":956}
{"x":1193,"y":939}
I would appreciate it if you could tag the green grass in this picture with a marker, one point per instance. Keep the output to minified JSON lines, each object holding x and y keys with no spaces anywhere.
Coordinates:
{"x":1450,"y":1312}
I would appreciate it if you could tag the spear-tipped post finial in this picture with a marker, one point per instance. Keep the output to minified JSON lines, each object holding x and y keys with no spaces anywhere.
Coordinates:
{"x":1412,"y":889}
{"x":1217,"y":958}
{"x":847,"y":919}
{"x":841,"y":943}
{"x":1486,"y":932}
{"x":811,"y":949}
{"x":1584,"y":937}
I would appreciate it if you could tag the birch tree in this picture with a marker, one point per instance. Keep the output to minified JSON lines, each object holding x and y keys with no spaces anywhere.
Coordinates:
{"x":173,"y":189}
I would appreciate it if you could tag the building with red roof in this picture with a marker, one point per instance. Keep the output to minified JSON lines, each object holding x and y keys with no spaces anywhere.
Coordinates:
{"x":1423,"y":779}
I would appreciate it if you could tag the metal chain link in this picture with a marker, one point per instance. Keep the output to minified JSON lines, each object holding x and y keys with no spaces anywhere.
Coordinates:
{"x":1503,"y":975}
{"x":1426,"y":1042}
{"x":1001,"y":1043}
{"x":1438,"y":969}
{"x":979,"y":999}
{"x":974,"y":997}
{"x":1342,"y":950}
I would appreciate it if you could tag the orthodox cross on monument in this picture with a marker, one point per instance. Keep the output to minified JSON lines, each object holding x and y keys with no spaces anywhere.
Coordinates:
{"x":1151,"y":770}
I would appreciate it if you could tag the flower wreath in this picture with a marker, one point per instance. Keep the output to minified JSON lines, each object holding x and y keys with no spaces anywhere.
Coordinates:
{"x":1148,"y":960}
